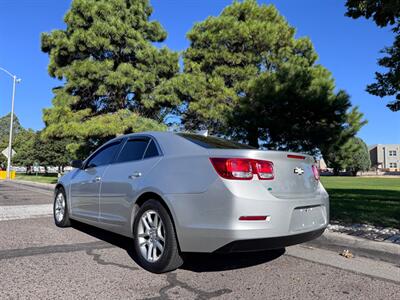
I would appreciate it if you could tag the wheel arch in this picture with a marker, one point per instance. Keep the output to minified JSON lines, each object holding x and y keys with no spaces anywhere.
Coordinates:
{"x":147,"y":195}
{"x":56,"y":188}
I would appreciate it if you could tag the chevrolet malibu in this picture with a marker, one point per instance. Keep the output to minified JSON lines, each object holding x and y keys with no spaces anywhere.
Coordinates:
{"x":182,"y":192}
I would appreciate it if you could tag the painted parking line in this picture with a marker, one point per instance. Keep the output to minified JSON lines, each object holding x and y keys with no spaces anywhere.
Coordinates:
{"x":16,"y":212}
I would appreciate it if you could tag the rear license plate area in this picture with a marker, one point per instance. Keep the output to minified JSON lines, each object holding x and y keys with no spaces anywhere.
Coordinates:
{"x":308,"y":217}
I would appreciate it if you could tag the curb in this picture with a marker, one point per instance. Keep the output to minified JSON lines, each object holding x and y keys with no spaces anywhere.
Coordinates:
{"x":46,"y":186}
{"x":337,"y":242}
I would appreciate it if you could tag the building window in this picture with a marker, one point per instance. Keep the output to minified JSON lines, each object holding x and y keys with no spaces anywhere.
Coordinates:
{"x":392,"y":153}
{"x":393,"y":165}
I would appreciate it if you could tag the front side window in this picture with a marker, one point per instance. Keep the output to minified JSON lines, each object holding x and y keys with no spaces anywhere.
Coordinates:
{"x":104,"y":156}
{"x":392,"y":152}
{"x":133,"y":150}
{"x":393,"y":165}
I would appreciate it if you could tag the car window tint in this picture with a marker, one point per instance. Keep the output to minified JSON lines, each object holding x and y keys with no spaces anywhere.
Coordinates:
{"x":133,"y":150}
{"x":151,"y":150}
{"x":213,"y":142}
{"x":103,"y":156}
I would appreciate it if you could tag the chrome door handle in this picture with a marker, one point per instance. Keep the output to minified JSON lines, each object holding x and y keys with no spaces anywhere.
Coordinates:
{"x":135,"y":175}
{"x":97,"y":179}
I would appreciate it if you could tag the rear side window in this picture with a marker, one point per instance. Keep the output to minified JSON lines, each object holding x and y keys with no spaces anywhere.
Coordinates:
{"x":151,"y":150}
{"x":213,"y":142}
{"x":104,"y":156}
{"x":133,"y":150}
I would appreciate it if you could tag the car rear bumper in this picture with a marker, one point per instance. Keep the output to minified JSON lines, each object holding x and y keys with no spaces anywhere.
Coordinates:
{"x":206,"y":222}
{"x":269,"y":243}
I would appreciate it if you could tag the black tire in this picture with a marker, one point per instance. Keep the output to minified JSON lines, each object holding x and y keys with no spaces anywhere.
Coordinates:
{"x":170,"y":259}
{"x":65,"y":221}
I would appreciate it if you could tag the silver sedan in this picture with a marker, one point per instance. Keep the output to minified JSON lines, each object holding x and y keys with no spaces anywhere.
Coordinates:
{"x":181,"y":192}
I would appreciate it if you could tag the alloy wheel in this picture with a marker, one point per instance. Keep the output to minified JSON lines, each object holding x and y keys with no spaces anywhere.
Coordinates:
{"x":151,"y":236}
{"x":59,"y":208}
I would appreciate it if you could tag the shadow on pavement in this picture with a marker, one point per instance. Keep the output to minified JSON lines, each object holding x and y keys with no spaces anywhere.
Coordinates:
{"x":213,"y":262}
{"x":115,"y":239}
{"x":196,"y":262}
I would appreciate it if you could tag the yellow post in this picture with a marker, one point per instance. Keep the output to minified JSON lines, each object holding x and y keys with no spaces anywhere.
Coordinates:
{"x":3,"y":175}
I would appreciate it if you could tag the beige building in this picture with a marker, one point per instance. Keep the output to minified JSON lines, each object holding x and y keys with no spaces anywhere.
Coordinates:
{"x":385,"y":157}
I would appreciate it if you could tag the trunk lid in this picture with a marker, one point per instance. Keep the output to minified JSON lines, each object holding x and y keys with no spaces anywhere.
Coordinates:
{"x":293,"y":174}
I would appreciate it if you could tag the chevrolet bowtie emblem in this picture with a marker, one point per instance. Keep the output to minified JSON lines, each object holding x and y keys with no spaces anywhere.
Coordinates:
{"x":298,"y":171}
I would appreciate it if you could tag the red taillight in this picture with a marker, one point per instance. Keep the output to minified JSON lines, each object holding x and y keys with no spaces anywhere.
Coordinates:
{"x":316,"y":172}
{"x":264,"y":169}
{"x":233,"y":168}
{"x":243,"y":168}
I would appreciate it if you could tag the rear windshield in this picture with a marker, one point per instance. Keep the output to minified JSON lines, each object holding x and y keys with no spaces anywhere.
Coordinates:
{"x":213,"y":142}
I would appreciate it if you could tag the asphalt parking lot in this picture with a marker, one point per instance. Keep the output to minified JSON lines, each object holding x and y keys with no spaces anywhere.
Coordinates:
{"x":40,"y":261}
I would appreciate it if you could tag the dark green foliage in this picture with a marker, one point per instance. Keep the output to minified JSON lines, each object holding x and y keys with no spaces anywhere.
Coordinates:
{"x":111,"y":67}
{"x":5,"y":127}
{"x":32,"y":148}
{"x":352,"y":156}
{"x":25,"y":147}
{"x":359,"y":160}
{"x":384,"y":13}
{"x":246,"y":76}
{"x":338,"y":153}
{"x":4,"y":135}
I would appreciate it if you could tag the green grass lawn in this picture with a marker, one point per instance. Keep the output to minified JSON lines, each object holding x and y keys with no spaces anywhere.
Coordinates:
{"x":374,"y":201}
{"x":51,"y":178}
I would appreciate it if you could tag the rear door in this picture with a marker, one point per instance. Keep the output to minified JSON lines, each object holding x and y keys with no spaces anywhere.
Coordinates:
{"x":85,"y":185}
{"x":121,"y":180}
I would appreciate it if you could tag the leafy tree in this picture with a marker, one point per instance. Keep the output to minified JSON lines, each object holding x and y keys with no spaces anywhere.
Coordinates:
{"x":3,"y":159}
{"x":248,"y":77}
{"x":384,"y":13}
{"x":107,"y":59}
{"x":4,"y":135}
{"x":25,"y":148}
{"x":31,"y":148}
{"x":359,"y":159}
{"x":5,"y":127}
{"x":352,"y":156}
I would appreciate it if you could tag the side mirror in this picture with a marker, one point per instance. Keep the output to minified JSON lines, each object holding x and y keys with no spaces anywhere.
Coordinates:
{"x":78,"y":164}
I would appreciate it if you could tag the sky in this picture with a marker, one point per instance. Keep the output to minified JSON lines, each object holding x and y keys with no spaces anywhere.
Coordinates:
{"x":348,"y":48}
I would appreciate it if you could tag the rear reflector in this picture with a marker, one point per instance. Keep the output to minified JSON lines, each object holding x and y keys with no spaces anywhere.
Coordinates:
{"x":252,"y":218}
{"x":296,"y":156}
{"x":243,"y":168}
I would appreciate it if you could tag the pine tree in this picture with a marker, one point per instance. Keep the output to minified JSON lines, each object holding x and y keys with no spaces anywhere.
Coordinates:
{"x":109,"y":65}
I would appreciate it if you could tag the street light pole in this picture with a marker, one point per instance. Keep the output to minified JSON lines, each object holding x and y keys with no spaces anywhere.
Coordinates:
{"x":15,"y":81}
{"x":11,"y":130}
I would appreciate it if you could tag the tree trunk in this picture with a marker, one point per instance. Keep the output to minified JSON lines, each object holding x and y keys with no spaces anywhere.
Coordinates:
{"x":252,"y":137}
{"x":336,"y":171}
